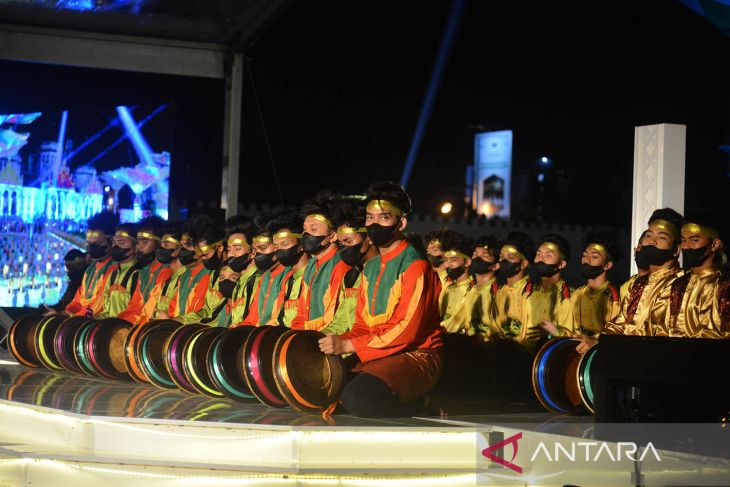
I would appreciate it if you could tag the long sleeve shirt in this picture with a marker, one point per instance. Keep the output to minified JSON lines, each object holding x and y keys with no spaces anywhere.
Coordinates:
{"x":150,"y":276}
{"x":161,"y":297}
{"x":551,"y":304}
{"x":397,"y":307}
{"x":513,"y":320}
{"x":285,"y":306}
{"x":119,"y":291}
{"x":89,"y":298}
{"x":344,"y":317}
{"x":593,"y":308}
{"x":452,"y":306}
{"x":480,"y":309}
{"x":192,"y":288}
{"x":243,"y":293}
{"x":208,"y":312}
{"x":265,"y":294}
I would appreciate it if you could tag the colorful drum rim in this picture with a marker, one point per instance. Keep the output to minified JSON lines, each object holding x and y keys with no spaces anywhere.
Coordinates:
{"x":174,"y":356}
{"x":283,"y":379}
{"x":19,"y":349}
{"x":218,"y":373}
{"x":131,"y":354}
{"x":539,"y":373}
{"x":157,"y":375}
{"x":198,"y":372}
{"x":585,"y":382}
{"x":251,"y":361}
{"x":100,"y":350}
{"x":81,"y":354}
{"x":64,"y":343}
{"x":45,"y":334}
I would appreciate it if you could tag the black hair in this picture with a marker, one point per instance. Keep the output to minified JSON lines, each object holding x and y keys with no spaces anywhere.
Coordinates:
{"x":349,"y":210}
{"x":74,"y":254}
{"x":492,"y":244}
{"x":436,"y":234}
{"x":710,"y":219}
{"x":152,"y":224}
{"x":173,"y":228}
{"x":416,"y":241}
{"x":559,"y":241}
{"x":392,"y":192}
{"x":606,"y":238}
{"x":212,"y":234}
{"x":196,"y":226}
{"x":455,"y":241}
{"x":130,"y":228}
{"x":323,"y":203}
{"x":106,"y":222}
{"x":523,"y":243}
{"x":672,"y":217}
{"x":284,"y":219}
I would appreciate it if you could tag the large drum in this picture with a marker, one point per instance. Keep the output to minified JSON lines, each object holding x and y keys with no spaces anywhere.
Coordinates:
{"x":255,"y":364}
{"x":308,"y":379}
{"x":554,"y":373}
{"x":21,"y":340}
{"x":195,"y":364}
{"x":45,"y":336}
{"x":174,"y":355}
{"x":131,"y":353}
{"x":81,"y":349}
{"x":586,"y":381}
{"x":101,"y":346}
{"x":64,"y":344}
{"x":222,"y":363}
{"x":150,"y":353}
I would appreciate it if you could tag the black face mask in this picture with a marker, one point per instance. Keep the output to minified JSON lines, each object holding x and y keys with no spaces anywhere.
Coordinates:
{"x":75,"y":272}
{"x":351,"y":255}
{"x":213,"y":263}
{"x":119,"y":254}
{"x":380,"y":234}
{"x":656,"y":256}
{"x":226,"y":288}
{"x":312,"y":244}
{"x":546,"y":270}
{"x":641,"y":257}
{"x":145,"y":259}
{"x":694,"y":257}
{"x":435,"y":260}
{"x":164,"y":256}
{"x":238,"y":264}
{"x":455,"y":272}
{"x":264,"y":261}
{"x":186,"y":256}
{"x":480,"y":266}
{"x":508,"y":269}
{"x":97,"y":251}
{"x":289,"y":257}
{"x":590,"y":271}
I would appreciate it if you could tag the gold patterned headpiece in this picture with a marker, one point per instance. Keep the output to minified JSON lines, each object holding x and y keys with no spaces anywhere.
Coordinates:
{"x":206,"y":247}
{"x":455,"y":253}
{"x":384,"y":206}
{"x":287,"y":234}
{"x":706,"y":231}
{"x":554,"y":247}
{"x":345,"y":230}
{"x":170,"y":239}
{"x":666,"y":226}
{"x":186,"y":239}
{"x":600,"y":249}
{"x":322,"y":218}
{"x":435,"y":241}
{"x":237,"y":241}
{"x":148,"y":235}
{"x":95,"y":234}
{"x":122,"y":233}
{"x":511,"y":249}
{"x":259,"y":239}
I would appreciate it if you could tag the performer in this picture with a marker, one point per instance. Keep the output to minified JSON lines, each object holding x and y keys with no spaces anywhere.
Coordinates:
{"x":159,"y":301}
{"x":396,"y":333}
{"x":452,"y":299}
{"x":642,"y":266}
{"x":699,"y":301}
{"x":550,"y":301}
{"x":124,"y":279}
{"x":152,"y":271}
{"x":480,"y":303}
{"x":596,"y":302}
{"x":76,"y":263}
{"x":89,"y":299}
{"x":435,"y":251}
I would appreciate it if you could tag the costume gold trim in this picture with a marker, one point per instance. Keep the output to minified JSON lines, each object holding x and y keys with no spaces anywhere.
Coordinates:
{"x":667,"y":226}
{"x":170,"y":239}
{"x":122,"y":233}
{"x":206,"y":247}
{"x":261,"y":239}
{"x":599,"y":248}
{"x":237,"y":241}
{"x":151,"y":236}
{"x":695,"y":228}
{"x":287,"y":234}
{"x":454,"y":253}
{"x":511,"y":249}
{"x":344,"y":230}
{"x":554,"y":247}
{"x":385,"y":206}
{"x":322,"y":218}
{"x":95,"y":234}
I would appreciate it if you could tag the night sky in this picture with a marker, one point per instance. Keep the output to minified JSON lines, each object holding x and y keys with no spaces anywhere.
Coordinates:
{"x":340,"y":86}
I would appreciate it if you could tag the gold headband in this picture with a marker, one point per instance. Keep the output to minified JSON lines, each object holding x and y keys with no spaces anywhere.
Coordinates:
{"x":706,"y":231}
{"x":554,"y":247}
{"x":262,"y":239}
{"x":95,"y":234}
{"x":170,"y":239}
{"x":147,"y":235}
{"x":667,"y":226}
{"x":344,"y":230}
{"x":186,"y":237}
{"x":454,"y":253}
{"x":206,"y":247}
{"x":226,"y":268}
{"x":435,"y":242}
{"x":122,"y":233}
{"x":385,"y":206}
{"x":599,"y":248}
{"x":511,"y":249}
{"x":287,"y":234}
{"x":237,"y":241}
{"x":322,"y":218}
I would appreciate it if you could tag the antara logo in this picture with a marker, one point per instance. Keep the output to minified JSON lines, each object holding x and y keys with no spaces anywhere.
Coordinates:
{"x":488,"y":452}
{"x":594,"y":451}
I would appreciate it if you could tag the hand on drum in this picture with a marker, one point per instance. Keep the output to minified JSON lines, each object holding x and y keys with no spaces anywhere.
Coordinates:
{"x":335,"y":345}
{"x":161,"y":315}
{"x":550,"y":327}
{"x":586,"y":343}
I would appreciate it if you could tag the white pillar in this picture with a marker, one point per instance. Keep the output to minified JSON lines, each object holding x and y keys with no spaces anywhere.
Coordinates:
{"x":659,"y":153}
{"x":232,"y":135}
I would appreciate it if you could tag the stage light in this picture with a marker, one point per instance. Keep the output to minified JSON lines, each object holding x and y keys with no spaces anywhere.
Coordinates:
{"x":107,"y":189}
{"x":545,"y":161}
{"x":446,"y":208}
{"x":540,"y":177}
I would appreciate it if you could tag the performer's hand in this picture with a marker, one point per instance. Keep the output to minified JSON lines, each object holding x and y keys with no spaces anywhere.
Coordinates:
{"x":585,"y":344}
{"x":550,"y":327}
{"x":161,"y":315}
{"x":335,"y":345}
{"x":49,"y":311}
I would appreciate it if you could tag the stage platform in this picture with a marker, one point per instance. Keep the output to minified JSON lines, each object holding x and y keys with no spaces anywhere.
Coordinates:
{"x":59,"y":429}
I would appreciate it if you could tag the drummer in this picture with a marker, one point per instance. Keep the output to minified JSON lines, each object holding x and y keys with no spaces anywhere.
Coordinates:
{"x":435,"y":252}
{"x":158,"y":303}
{"x":396,"y":333}
{"x":152,"y":271}
{"x":122,"y":284}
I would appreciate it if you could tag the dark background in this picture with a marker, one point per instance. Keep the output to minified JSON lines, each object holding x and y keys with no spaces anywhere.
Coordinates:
{"x":340,"y":86}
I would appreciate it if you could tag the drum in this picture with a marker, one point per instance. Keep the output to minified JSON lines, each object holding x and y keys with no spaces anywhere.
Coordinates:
{"x":150,"y":354}
{"x":308,"y":379}
{"x":45,"y":335}
{"x":131,"y":354}
{"x":195,"y":364}
{"x":64,"y":343}
{"x":255,"y":364}
{"x":105,"y":348}
{"x":222,"y":363}
{"x":554,"y":375}
{"x":81,"y":349}
{"x":173,"y":354}
{"x":586,"y":380}
{"x":21,"y":340}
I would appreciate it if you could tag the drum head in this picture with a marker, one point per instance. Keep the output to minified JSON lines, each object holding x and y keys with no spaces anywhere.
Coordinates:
{"x":309,"y":380}
{"x":256,"y":365}
{"x":554,"y":376}
{"x":174,"y":356}
{"x":64,"y":342}
{"x":21,"y":340}
{"x":45,"y":335}
{"x":586,"y":381}
{"x":150,"y":352}
{"x":195,"y":364}
{"x":106,"y":348}
{"x":222,"y":364}
{"x":81,"y":353}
